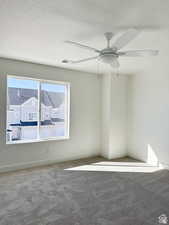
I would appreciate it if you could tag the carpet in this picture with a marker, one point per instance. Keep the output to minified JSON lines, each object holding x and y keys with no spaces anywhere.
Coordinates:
{"x":58,"y":197}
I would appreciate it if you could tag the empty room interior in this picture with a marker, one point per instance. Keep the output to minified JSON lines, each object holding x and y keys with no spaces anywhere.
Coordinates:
{"x":84,"y":112}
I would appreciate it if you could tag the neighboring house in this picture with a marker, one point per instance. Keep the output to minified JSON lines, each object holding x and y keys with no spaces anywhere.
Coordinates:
{"x":46,"y":112}
{"x":58,"y":113}
{"x":28,"y":112}
{"x":23,"y":107}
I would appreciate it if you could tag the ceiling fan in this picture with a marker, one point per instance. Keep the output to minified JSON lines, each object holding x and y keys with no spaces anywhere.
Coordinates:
{"x":110,"y":54}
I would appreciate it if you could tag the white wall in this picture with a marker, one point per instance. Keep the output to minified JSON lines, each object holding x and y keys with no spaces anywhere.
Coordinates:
{"x":148,"y":98}
{"x":135,"y":107}
{"x":132,"y":119}
{"x":118,"y":131}
{"x":106,"y":115}
{"x":85,"y":117}
{"x":114,"y":115}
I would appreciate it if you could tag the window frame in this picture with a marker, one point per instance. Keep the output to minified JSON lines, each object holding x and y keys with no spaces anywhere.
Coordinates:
{"x":67,"y":110}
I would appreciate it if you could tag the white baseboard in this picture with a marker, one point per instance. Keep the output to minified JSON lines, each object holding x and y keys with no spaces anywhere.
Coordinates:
{"x":28,"y":165}
{"x":20,"y":166}
{"x":111,"y":157}
{"x":164,"y":166}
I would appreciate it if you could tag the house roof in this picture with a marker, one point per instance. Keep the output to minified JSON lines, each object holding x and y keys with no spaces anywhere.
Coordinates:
{"x":54,"y":99}
{"x":18,"y":96}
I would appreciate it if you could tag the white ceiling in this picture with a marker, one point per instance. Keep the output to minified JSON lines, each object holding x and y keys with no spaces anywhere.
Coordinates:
{"x":34,"y":30}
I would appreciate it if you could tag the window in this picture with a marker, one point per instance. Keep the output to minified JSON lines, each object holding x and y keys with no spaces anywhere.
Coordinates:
{"x":36,"y":110}
{"x":32,"y":116}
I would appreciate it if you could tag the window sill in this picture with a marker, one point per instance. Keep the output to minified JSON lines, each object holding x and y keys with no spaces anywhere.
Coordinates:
{"x":38,"y":140}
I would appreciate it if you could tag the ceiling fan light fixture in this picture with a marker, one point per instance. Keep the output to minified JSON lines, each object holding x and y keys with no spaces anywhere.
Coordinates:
{"x":107,"y":58}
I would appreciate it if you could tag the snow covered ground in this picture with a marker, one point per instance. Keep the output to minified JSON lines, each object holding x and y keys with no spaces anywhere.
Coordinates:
{"x":31,"y":132}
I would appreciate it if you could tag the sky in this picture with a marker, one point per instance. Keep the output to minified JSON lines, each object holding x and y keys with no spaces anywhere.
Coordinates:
{"x":32,"y":84}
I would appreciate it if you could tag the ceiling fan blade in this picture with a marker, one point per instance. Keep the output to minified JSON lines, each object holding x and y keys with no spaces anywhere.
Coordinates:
{"x":79,"y":61}
{"x":115,"y":63}
{"x":136,"y":53}
{"x":125,"y":38}
{"x":82,"y":46}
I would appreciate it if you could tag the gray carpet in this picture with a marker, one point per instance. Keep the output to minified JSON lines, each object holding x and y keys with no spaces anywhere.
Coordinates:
{"x":52,"y":197}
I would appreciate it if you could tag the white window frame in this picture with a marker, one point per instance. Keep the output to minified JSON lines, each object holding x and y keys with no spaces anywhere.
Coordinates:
{"x":67,"y":110}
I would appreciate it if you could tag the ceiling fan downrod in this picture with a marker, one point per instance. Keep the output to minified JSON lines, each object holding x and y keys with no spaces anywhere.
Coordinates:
{"x":108,"y":36}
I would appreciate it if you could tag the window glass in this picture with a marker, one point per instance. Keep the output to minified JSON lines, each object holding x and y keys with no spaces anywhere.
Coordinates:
{"x":52,"y":110}
{"x":36,"y":110}
{"x":22,"y":102}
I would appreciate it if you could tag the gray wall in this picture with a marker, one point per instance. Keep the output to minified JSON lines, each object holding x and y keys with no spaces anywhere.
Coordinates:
{"x":84,"y":117}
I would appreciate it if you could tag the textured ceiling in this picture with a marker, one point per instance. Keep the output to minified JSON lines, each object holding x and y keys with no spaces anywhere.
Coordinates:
{"x":34,"y":30}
